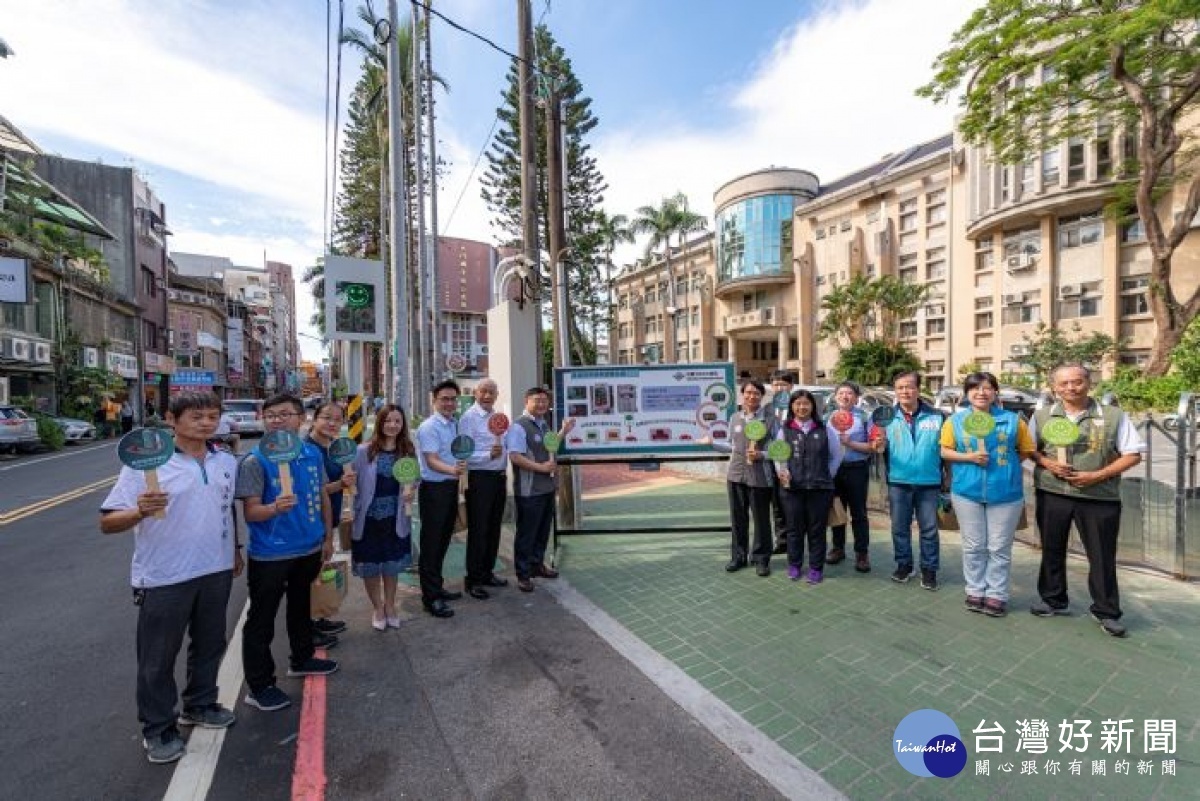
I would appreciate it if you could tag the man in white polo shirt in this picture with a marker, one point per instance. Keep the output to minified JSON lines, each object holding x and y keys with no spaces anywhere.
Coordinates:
{"x":183,"y":569}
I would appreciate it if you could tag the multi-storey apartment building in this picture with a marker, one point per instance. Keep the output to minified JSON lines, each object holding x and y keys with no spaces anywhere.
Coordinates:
{"x":198,"y":316}
{"x":892,"y":217}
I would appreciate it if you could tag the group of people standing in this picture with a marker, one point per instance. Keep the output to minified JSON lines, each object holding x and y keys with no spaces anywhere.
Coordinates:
{"x":187,"y":549}
{"x":978,"y":459}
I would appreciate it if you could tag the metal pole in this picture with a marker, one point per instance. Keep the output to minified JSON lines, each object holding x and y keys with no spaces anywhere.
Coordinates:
{"x":431,"y":263}
{"x":554,"y":192}
{"x":421,"y":367}
{"x":398,"y":261}
{"x":529,"y":219}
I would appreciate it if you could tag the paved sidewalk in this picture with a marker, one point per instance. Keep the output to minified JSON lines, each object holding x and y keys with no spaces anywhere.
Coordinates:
{"x":829,"y":671}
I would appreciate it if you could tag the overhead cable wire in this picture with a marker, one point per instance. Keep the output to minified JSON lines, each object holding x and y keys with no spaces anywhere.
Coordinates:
{"x":487,"y":140}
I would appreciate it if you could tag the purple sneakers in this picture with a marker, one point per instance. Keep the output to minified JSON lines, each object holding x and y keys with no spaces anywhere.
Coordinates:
{"x":794,"y":572}
{"x":814,"y":576}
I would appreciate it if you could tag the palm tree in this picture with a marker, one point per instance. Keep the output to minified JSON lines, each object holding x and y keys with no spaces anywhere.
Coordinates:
{"x":896,"y":301}
{"x":848,"y":307}
{"x":612,"y":230}
{"x":671,"y":218}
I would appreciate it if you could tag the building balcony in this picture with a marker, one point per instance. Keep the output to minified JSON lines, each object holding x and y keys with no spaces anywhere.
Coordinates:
{"x":751,"y":282}
{"x":747,"y":321}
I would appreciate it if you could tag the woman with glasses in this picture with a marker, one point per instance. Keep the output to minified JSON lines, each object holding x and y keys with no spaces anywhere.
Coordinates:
{"x":382,"y":535}
{"x":326,"y":427}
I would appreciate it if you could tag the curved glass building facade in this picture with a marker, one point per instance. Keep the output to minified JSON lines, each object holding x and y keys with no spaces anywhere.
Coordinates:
{"x":754,"y":237}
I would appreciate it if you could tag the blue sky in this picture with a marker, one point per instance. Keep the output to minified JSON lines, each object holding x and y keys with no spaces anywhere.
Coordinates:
{"x":221,"y":103}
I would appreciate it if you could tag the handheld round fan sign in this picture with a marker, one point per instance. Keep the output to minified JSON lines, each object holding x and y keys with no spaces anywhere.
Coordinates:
{"x":342,"y":451}
{"x":779,"y":451}
{"x":147,"y":449}
{"x":1061,"y":433}
{"x":406,"y":470}
{"x":979,"y":425}
{"x":842,"y":420}
{"x":552,"y":441}
{"x":282,"y":448}
{"x":461,"y":448}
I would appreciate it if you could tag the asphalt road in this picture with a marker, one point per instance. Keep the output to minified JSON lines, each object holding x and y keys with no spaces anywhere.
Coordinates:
{"x":513,"y":698}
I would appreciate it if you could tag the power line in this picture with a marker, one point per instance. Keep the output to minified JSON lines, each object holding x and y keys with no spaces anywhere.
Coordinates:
{"x":337,"y":113}
{"x":486,"y":141}
{"x":469,"y":32}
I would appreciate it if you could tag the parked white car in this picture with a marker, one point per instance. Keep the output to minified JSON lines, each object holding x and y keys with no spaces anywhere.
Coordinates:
{"x":76,"y":430}
{"x":244,"y":416}
{"x":17,"y":429}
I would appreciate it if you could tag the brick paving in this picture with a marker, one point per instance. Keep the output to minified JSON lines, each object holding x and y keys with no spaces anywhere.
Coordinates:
{"x":829,"y":671}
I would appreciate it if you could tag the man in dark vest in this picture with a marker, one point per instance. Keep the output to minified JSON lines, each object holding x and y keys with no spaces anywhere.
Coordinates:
{"x":534,"y":485}
{"x":781,"y":383}
{"x":1084,"y":490}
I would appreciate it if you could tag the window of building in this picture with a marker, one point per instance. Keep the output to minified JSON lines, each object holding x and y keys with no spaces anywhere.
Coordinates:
{"x":983,"y":303}
{"x":1076,"y":166}
{"x":149,"y":285}
{"x":844,"y":225}
{"x":1134,"y":300}
{"x":747,"y":302}
{"x":1133,"y":231}
{"x":908,"y":329}
{"x":935,"y":309}
{"x":1018,"y":315}
{"x":935,"y":264}
{"x":1080,"y":230}
{"x":1005,"y":183}
{"x":1074,"y":308}
{"x":722,"y":349}
{"x":983,"y":321}
{"x":793,"y":348}
{"x":1027,"y":241}
{"x":1104,"y":156}
{"x":933,"y":327}
{"x":873,"y":215}
{"x":1025,"y":177}
{"x":908,"y":276}
{"x":650,"y":296}
{"x":1135,"y":358}
{"x":820,"y":233}
{"x":908,"y":221}
{"x":1050,"y":168}
{"x":623,"y":301}
{"x":1129,"y":151}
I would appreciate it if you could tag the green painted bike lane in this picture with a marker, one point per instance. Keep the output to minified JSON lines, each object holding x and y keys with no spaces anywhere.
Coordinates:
{"x":828,"y":671}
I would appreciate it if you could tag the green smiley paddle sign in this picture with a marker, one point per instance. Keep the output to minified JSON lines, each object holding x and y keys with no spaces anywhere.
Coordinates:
{"x":979,"y":424}
{"x":552,"y":441}
{"x":1061,"y":433}
{"x":756,"y":430}
{"x":779,"y":451}
{"x":406,"y":470}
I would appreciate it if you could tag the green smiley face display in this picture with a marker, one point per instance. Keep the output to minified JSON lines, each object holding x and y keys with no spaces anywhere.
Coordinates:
{"x":1060,"y":432}
{"x":779,"y":451}
{"x":756,"y":430}
{"x":979,"y":424}
{"x":552,"y":441}
{"x":406,"y":470}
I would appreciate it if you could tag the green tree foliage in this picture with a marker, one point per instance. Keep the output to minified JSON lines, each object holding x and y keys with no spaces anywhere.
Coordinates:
{"x":584,"y":184}
{"x":1050,"y":346}
{"x":1038,"y":73}
{"x":671,"y":219}
{"x":870,"y":309}
{"x":874,"y":363}
{"x":1186,"y":358}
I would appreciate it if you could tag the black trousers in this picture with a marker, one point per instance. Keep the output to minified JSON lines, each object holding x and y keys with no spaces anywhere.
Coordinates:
{"x":1099,"y":523}
{"x":486,"y":490}
{"x":195,"y":607}
{"x":851,"y":483}
{"x":534,"y":514}
{"x":745,"y":501}
{"x":808,"y":517}
{"x":438,"y":503}
{"x":269,"y":582}
{"x":779,"y":516}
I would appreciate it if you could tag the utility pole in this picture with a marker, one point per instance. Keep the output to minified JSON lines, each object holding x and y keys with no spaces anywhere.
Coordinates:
{"x":529,"y":219}
{"x":398,"y":252}
{"x":558,"y":232}
{"x":431,"y":262}
{"x":421,"y":367}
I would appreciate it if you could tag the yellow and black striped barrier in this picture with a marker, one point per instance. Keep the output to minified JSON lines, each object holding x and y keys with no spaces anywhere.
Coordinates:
{"x":354,"y":417}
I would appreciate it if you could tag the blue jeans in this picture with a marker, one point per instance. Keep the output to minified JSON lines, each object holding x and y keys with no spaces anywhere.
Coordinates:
{"x":987,"y":542}
{"x":905,"y":500}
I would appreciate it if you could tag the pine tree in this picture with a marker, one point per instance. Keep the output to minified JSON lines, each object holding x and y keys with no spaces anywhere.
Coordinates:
{"x":585,"y":186}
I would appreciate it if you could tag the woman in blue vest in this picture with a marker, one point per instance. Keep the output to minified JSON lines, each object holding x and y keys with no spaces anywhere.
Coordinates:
{"x":987,"y":491}
{"x":807,"y":482}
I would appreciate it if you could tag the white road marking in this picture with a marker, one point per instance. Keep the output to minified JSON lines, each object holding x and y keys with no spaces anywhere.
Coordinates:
{"x":194,"y":773}
{"x":792,"y":778}
{"x":74,"y":450}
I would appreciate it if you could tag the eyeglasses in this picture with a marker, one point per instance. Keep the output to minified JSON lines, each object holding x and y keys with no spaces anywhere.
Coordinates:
{"x":275,"y":417}
{"x":445,"y":398}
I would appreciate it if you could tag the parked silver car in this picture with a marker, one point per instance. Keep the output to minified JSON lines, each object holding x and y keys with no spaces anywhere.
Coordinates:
{"x":17,"y":429}
{"x":76,"y":430}
{"x":244,"y":416}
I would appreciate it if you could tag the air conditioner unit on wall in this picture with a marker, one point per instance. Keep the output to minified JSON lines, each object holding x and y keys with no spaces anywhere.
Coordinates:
{"x":1070,"y":290}
{"x":1021,"y":261}
{"x":41,"y":352}
{"x":1019,"y":350}
{"x":1012,"y":300}
{"x":20,"y":349}
{"x":91,"y":357}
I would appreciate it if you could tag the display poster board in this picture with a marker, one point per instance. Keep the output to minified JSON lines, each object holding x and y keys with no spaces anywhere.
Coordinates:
{"x":641,"y":410}
{"x":354,"y":299}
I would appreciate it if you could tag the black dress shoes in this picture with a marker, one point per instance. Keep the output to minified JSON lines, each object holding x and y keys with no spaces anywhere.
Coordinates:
{"x":495,"y":581}
{"x":477,"y":592}
{"x":735,"y":565}
{"x":439,"y":608}
{"x":450,"y":596}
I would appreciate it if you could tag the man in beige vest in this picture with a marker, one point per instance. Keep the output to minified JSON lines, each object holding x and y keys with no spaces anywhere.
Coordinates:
{"x":1084,"y":490}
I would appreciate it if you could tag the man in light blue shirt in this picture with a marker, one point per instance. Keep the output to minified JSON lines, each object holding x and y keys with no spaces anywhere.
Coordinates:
{"x":486,"y":491}
{"x":437,"y":496}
